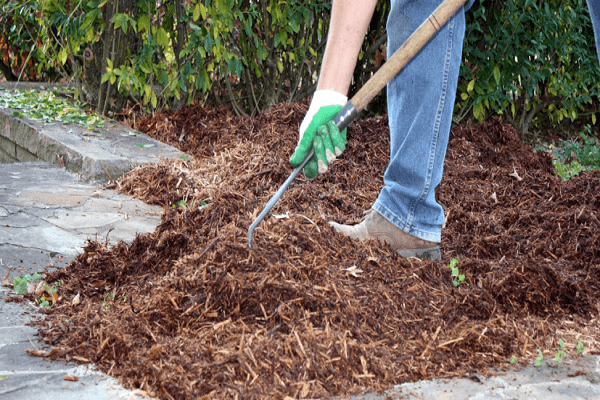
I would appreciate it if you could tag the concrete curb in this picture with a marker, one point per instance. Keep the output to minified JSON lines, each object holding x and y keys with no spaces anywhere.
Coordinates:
{"x":94,"y":156}
{"x":99,"y":155}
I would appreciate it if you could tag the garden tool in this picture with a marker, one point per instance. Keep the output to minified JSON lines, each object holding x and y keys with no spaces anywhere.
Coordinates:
{"x":373,"y":86}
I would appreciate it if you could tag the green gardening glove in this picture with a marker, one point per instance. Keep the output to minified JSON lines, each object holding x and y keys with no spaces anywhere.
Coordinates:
{"x":319,"y":132}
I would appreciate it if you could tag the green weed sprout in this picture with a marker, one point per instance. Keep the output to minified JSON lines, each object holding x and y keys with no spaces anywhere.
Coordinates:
{"x":182,"y":203}
{"x":457,"y":277}
{"x":539,"y":359}
{"x":105,"y":305}
{"x":44,"y":303}
{"x":561,"y":354}
{"x":580,"y":347}
{"x":20,"y":284}
{"x":513,"y":360}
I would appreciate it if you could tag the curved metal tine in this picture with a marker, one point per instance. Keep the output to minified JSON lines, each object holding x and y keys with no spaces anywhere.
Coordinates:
{"x":275,"y":198}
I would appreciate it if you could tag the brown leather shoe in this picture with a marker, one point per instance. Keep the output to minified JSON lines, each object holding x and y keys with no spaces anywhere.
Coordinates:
{"x":375,"y":226}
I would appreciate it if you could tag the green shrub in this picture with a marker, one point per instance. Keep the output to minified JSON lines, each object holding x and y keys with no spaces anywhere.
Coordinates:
{"x":22,"y":52}
{"x":247,"y":54}
{"x":523,"y":57}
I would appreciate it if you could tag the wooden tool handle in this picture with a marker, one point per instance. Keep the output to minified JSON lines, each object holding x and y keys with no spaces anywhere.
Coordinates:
{"x":406,"y":52}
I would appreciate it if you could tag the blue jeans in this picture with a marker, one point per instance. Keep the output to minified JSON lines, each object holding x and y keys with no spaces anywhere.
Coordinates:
{"x":594,"y":6}
{"x":420,"y":106}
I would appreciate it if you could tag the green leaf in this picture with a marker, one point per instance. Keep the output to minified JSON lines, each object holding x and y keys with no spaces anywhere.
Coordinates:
{"x":281,"y":37}
{"x":209,"y":43}
{"x":162,"y":38}
{"x":471,"y":86}
{"x":196,"y":13}
{"x":262,"y":53}
{"x":120,"y":21}
{"x":144,"y":145}
{"x":105,"y":77}
{"x":238,"y":68}
{"x":87,"y":22}
{"x":143,"y":22}
{"x":153,"y":100}
{"x":89,"y":34}
{"x":62,"y":56}
{"x":497,"y":74}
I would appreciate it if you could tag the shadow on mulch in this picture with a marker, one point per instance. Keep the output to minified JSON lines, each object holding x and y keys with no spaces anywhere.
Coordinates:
{"x":190,"y":311}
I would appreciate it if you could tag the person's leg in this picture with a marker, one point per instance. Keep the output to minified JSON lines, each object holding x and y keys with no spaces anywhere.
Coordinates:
{"x":420,"y":107}
{"x":594,"y":6}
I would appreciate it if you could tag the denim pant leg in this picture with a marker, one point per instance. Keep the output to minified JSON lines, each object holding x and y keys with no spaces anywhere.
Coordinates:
{"x":594,"y":6}
{"x":420,"y":107}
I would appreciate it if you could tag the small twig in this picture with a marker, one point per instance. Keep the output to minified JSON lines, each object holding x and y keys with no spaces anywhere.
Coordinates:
{"x":107,"y":233}
{"x":209,"y":246}
{"x":234,"y":103}
{"x":24,"y":65}
{"x":105,"y":170}
{"x":308,"y":219}
{"x":264,"y":171}
{"x":110,"y":370}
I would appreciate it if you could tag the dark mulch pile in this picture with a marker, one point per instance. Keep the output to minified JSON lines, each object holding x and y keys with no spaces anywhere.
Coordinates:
{"x":189,"y":311}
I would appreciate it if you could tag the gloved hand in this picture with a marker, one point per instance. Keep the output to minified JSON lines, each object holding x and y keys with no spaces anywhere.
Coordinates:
{"x":318,"y":131}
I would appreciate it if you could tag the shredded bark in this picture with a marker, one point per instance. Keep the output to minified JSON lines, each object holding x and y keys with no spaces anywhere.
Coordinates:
{"x":189,"y":311}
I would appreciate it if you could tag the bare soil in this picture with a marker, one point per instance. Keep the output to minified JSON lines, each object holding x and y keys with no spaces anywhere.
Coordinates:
{"x":191,"y":312}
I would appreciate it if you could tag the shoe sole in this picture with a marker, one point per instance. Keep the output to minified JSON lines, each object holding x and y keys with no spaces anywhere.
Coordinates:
{"x":433,"y":253}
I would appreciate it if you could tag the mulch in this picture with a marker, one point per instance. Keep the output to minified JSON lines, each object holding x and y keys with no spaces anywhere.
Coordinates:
{"x":189,"y":311}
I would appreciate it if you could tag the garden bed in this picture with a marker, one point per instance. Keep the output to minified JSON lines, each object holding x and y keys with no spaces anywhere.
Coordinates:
{"x":190,"y":311}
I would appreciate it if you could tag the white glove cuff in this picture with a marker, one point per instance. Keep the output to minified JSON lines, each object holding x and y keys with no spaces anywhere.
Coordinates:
{"x":322,"y":98}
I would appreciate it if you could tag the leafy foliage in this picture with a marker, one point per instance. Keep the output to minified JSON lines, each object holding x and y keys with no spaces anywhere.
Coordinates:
{"x":560,"y":354}
{"x":250,"y":54}
{"x":539,"y":360}
{"x":457,"y":277}
{"x":529,"y":60}
{"x":43,"y":303}
{"x":20,"y":284}
{"x":22,"y":52}
{"x":574,"y":156}
{"x":524,"y":56}
{"x":48,"y":107}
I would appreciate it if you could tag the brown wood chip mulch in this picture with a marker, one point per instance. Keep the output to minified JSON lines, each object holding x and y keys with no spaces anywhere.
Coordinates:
{"x":190,"y":312}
